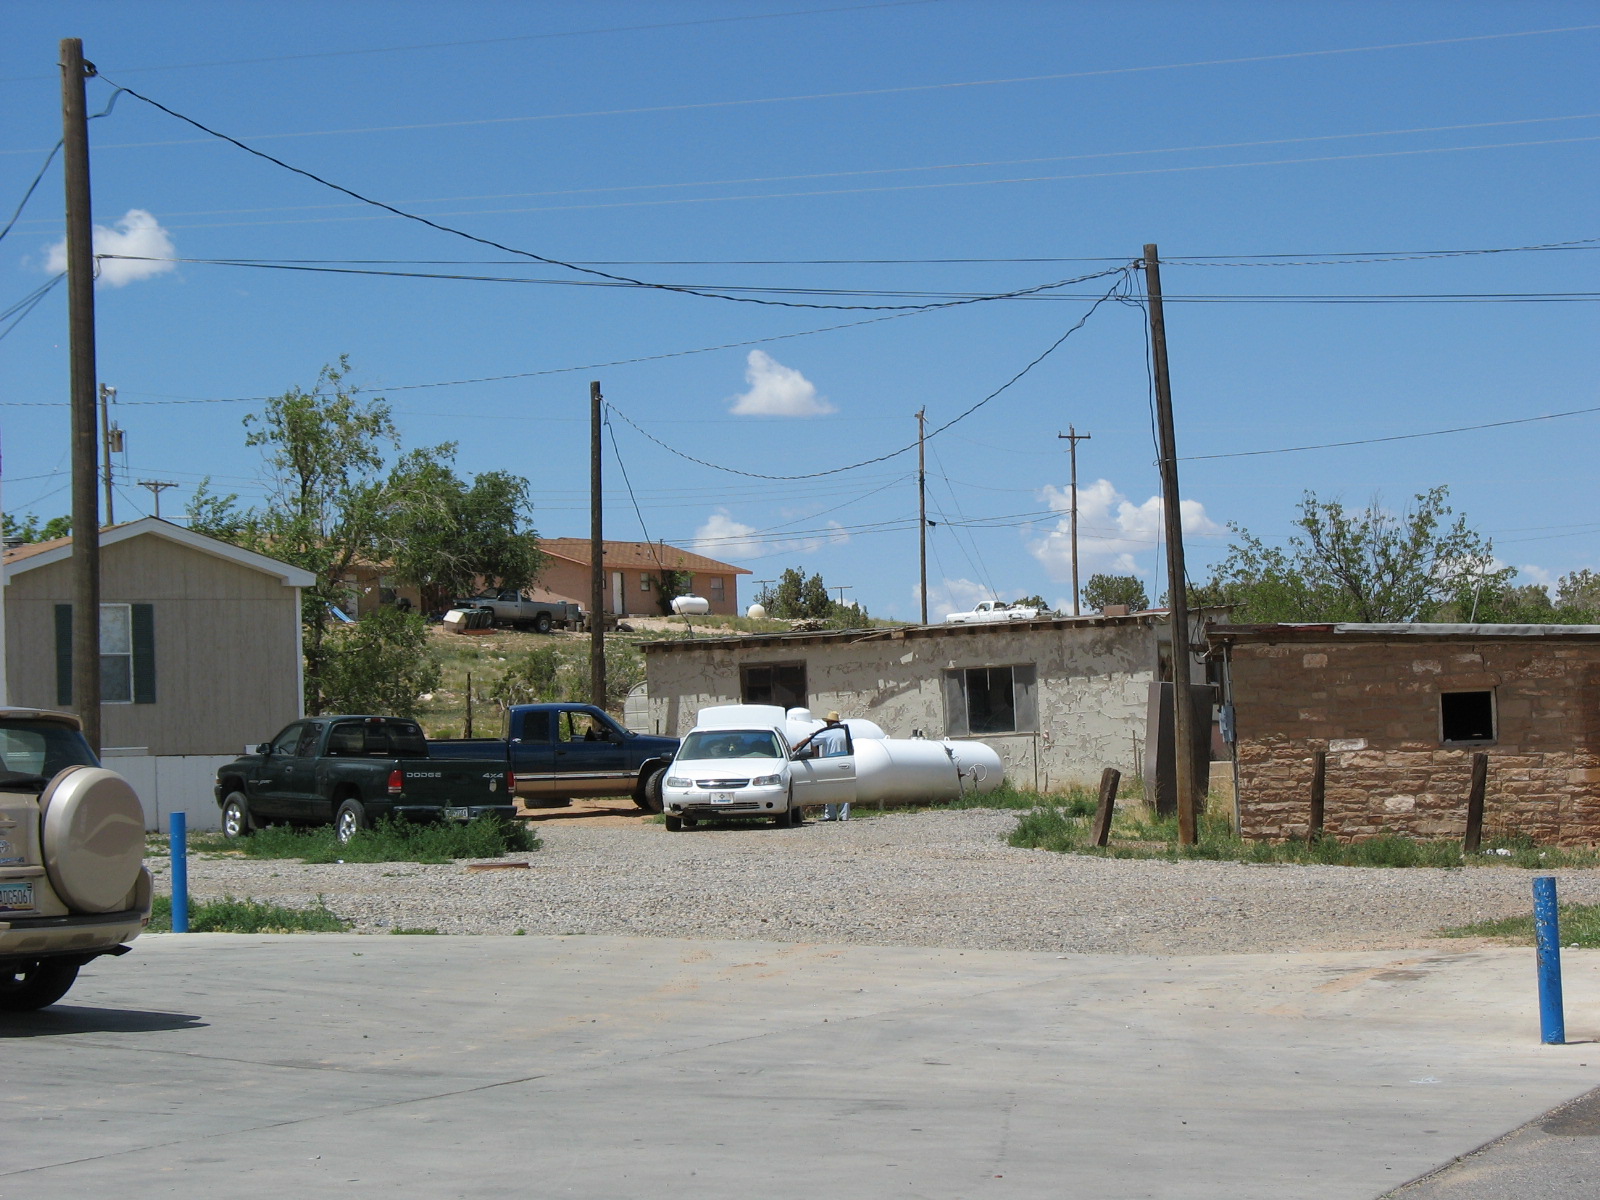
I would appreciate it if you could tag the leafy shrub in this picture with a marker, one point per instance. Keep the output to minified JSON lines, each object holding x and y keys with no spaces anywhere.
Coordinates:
{"x":230,"y":915}
{"x":395,"y":841}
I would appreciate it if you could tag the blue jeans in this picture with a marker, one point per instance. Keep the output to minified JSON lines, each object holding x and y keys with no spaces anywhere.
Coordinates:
{"x":836,"y":812}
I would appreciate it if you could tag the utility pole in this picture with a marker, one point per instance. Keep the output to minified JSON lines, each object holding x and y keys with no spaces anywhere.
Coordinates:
{"x":842,"y":588}
{"x":85,"y":461}
{"x":597,"y":566}
{"x":110,"y":440}
{"x":922,"y":510}
{"x":1177,"y":594}
{"x":1073,"y":437}
{"x":156,"y":488}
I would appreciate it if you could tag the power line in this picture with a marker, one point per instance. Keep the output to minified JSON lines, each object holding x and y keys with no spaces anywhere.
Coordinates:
{"x":27,"y":304}
{"x":1399,"y":437}
{"x":555,"y":262}
{"x":861,"y":93}
{"x":525,"y":37}
{"x":1122,"y":274}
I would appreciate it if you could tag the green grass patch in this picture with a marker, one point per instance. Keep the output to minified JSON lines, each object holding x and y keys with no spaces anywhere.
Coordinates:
{"x":230,"y":915}
{"x":1062,"y":824}
{"x":394,"y":841}
{"x":1580,"y":926}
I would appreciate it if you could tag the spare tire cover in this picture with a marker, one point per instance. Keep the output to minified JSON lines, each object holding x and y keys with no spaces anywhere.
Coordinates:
{"x":93,"y":838}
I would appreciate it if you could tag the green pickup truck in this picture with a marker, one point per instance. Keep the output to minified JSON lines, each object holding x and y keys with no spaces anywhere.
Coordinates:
{"x":352,"y":770}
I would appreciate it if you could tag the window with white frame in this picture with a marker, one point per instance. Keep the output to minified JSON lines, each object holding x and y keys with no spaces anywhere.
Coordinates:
{"x":127,"y":654}
{"x":980,"y":700}
{"x":116,"y":654}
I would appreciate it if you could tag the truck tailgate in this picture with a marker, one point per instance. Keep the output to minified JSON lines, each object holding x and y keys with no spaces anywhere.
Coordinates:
{"x":454,"y":782}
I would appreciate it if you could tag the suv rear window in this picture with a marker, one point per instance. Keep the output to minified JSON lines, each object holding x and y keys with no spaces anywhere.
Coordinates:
{"x":33,"y":751}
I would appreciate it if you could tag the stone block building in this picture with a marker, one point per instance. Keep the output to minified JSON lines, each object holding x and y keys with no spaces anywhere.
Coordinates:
{"x":1400,"y":711}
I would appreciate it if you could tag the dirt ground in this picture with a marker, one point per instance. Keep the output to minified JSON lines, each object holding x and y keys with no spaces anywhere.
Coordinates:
{"x":599,"y":812}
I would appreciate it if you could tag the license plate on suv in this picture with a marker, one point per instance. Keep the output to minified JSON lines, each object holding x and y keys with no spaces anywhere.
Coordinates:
{"x":16,"y":897}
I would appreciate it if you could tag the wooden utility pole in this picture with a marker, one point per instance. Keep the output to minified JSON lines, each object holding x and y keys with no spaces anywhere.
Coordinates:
{"x":922,"y":509}
{"x":597,"y":566}
{"x":1177,"y":595}
{"x":85,"y":458}
{"x":1073,"y":437}
{"x":156,"y":486}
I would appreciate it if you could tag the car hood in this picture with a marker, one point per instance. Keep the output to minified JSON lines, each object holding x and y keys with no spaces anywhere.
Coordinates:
{"x":728,"y":768}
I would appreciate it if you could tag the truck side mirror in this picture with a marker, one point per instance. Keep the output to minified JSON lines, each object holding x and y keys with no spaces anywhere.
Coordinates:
{"x":264,"y":748}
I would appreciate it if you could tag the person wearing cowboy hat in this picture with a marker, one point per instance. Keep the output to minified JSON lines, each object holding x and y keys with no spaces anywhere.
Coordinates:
{"x":831,"y":740}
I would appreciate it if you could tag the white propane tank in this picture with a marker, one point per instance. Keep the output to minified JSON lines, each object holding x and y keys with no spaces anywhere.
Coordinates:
{"x":756,"y":612}
{"x":981,"y":767}
{"x":690,"y":605}
{"x":904,"y":771}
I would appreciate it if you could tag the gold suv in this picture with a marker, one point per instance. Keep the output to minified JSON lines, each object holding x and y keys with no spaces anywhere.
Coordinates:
{"x":72,"y":880}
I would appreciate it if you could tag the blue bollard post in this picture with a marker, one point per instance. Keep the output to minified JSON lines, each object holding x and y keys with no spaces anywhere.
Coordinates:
{"x":1547,"y":933}
{"x":178,"y":847}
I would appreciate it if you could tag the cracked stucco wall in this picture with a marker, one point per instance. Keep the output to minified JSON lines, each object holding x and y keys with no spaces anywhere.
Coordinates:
{"x":1093,"y":687}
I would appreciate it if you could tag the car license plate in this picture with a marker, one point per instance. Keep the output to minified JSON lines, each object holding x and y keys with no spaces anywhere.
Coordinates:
{"x":16,"y":897}
{"x":722,"y":797}
{"x":457,"y":814}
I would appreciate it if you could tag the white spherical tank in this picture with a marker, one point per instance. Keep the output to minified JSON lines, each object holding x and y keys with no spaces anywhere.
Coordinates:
{"x":756,"y":612}
{"x":690,"y":605}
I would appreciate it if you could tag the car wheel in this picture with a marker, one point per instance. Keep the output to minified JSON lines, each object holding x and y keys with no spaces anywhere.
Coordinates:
{"x":542,"y":623}
{"x":674,"y":824}
{"x":488,"y":618}
{"x":236,"y":819}
{"x":36,"y":984}
{"x":349,"y":820}
{"x":649,"y":796}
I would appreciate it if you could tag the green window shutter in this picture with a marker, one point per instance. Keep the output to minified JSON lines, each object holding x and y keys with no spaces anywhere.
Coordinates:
{"x":64,"y":655}
{"x":144,"y":653}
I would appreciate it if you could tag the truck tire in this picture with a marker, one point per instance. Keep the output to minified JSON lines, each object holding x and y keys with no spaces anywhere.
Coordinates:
{"x":236,"y":819}
{"x":542,"y":623}
{"x":350,"y":820}
{"x":27,"y":986}
{"x":648,"y":797}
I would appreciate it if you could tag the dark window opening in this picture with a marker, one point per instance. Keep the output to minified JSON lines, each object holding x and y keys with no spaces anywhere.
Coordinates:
{"x":783,"y":684}
{"x":981,"y":700}
{"x":1466,"y":716}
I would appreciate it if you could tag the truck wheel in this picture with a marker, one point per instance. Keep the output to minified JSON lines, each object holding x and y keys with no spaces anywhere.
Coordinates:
{"x":542,"y":623}
{"x":350,"y":819}
{"x":36,"y":984}
{"x":236,"y":819}
{"x":674,"y":824}
{"x":488,"y":619}
{"x":649,"y":796}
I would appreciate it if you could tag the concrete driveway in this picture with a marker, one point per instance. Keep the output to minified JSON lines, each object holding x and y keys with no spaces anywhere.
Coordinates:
{"x":615,"y":1067}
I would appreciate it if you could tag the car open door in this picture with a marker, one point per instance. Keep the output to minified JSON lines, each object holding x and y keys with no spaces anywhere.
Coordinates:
{"x":829,"y":775}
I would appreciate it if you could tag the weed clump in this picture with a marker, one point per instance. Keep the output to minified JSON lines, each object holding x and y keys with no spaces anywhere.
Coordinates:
{"x":392,"y":840}
{"x":231,"y":915}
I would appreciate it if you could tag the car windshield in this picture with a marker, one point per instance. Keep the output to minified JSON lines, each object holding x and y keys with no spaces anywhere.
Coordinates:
{"x":732,"y":743}
{"x":32,"y":752}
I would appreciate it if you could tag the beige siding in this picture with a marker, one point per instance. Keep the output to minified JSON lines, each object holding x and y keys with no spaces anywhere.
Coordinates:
{"x":226,"y":646}
{"x":1093,"y":687}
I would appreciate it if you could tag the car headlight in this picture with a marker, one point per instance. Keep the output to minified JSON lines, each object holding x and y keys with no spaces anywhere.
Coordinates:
{"x":678,"y":782}
{"x":766,"y":781}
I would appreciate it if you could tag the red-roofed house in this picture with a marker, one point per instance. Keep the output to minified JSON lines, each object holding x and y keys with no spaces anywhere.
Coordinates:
{"x":632,"y":570}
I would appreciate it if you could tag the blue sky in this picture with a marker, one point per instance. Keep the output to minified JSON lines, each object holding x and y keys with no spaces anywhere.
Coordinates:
{"x":787,"y":152}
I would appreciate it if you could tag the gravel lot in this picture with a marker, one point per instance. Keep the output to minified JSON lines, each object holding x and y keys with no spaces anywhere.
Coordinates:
{"x":910,"y":879}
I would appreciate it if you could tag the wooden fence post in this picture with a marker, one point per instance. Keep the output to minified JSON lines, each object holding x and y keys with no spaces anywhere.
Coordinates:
{"x":1480,"y":779}
{"x":1110,"y":778}
{"x":1319,"y":780}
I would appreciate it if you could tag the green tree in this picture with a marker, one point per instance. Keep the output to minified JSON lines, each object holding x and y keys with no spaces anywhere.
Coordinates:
{"x":443,"y":535}
{"x":669,"y":585}
{"x":797,"y":596}
{"x":1579,"y":591}
{"x":1366,"y":565}
{"x":31,"y":531}
{"x":1104,"y":590}
{"x":551,"y":673}
{"x":379,"y":664}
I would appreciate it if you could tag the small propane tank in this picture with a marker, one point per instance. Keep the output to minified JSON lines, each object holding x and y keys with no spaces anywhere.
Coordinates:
{"x":755,"y":612}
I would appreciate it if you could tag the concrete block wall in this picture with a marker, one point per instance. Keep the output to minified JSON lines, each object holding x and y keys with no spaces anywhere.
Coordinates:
{"x":1373,"y":705}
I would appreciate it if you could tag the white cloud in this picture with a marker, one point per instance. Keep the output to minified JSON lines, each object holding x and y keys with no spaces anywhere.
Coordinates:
{"x":778,"y":391}
{"x":1112,"y":530}
{"x":138,"y":234}
{"x":1539,"y":574}
{"x":724,"y":538}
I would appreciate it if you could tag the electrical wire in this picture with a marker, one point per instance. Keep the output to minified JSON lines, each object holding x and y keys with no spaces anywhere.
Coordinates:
{"x":27,"y":304}
{"x":472,"y":237}
{"x":1122,"y":274}
{"x":1398,"y":437}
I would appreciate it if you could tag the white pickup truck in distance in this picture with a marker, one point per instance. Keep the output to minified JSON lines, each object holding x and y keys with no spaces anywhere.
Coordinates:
{"x":992,"y":610}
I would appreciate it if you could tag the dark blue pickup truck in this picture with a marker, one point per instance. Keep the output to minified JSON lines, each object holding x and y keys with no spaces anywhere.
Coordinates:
{"x":560,"y":751}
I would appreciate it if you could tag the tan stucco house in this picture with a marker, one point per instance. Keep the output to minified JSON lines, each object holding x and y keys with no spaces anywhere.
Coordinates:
{"x":631,"y":571}
{"x":1059,"y":698}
